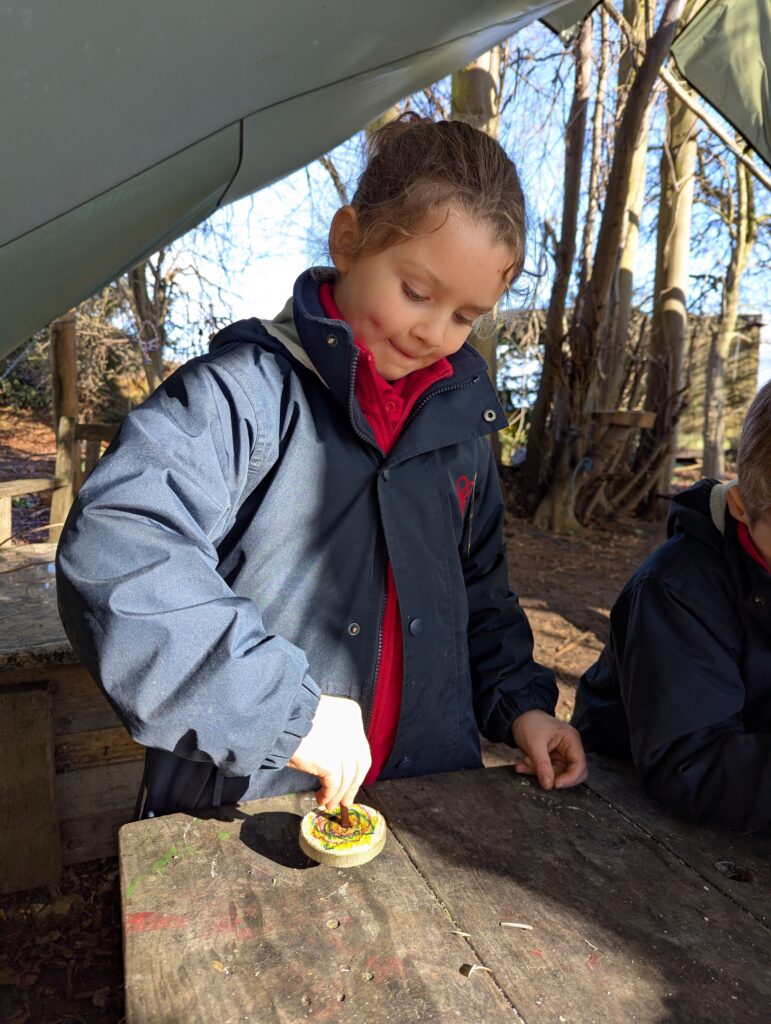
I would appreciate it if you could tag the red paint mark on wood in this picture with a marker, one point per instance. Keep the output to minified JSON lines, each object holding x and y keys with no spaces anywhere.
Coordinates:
{"x":383,"y":967}
{"x":149,"y":921}
{"x":592,"y":960}
{"x":536,"y":952}
{"x":230,"y":923}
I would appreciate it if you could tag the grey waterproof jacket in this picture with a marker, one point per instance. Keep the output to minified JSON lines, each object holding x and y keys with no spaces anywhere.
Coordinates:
{"x":225,"y":563}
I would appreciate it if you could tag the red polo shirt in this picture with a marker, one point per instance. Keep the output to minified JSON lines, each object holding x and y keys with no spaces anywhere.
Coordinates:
{"x":746,"y":542}
{"x":386,"y":406}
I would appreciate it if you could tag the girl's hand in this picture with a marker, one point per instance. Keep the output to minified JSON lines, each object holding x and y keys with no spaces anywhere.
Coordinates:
{"x":553,"y":750}
{"x":336,"y":750}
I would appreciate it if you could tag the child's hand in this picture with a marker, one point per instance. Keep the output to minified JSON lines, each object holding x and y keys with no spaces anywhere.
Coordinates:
{"x":336,"y":750}
{"x":553,"y":750}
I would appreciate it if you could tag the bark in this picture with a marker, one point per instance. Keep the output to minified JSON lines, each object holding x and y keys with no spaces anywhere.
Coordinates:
{"x":554,"y":334}
{"x":616,"y":337}
{"x":665,"y":385}
{"x":476,"y":100}
{"x":149,"y":313}
{"x":744,"y":233}
{"x":595,"y":168}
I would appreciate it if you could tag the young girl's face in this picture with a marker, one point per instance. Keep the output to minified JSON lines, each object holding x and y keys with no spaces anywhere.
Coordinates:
{"x":416,"y":301}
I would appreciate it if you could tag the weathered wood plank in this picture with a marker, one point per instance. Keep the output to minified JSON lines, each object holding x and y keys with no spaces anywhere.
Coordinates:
{"x":29,"y":847}
{"x":95,"y":748}
{"x":28,"y":485}
{"x":82,"y":713}
{"x":227,"y":921}
{"x":621,"y":929}
{"x":88,"y":790}
{"x":93,"y":804}
{"x":739,"y":865}
{"x":6,"y":520}
{"x":95,"y":432}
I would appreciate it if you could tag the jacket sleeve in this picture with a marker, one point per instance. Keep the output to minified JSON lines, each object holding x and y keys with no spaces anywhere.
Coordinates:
{"x":187,"y":664}
{"x":678,"y":664}
{"x":506,"y":679}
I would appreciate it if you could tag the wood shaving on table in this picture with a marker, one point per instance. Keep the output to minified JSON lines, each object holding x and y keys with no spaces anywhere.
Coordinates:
{"x":468,"y":969}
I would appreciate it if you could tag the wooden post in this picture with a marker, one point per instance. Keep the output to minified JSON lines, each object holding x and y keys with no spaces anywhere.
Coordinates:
{"x":64,"y":377}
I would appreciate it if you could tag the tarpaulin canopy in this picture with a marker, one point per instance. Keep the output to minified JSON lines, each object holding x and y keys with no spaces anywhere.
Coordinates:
{"x":724,"y":53}
{"x":124,"y":125}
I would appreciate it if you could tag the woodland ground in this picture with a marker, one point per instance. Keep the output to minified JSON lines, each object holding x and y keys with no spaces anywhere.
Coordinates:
{"x":60,"y":952}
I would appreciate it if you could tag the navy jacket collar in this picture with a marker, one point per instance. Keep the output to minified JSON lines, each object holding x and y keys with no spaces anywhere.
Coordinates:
{"x":331,"y":348}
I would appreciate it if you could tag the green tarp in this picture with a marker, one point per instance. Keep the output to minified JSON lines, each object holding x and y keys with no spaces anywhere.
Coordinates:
{"x":725,"y":55}
{"x":124,"y":125}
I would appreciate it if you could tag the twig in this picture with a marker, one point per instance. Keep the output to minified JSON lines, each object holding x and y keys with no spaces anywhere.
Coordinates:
{"x":516,"y":924}
{"x":573,"y":643}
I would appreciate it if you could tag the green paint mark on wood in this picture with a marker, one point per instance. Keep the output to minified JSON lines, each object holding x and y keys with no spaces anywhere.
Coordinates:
{"x":159,"y":865}
{"x":224,"y":834}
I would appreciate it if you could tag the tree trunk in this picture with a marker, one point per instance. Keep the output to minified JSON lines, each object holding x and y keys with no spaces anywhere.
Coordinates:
{"x":616,"y":337}
{"x":476,"y":100}
{"x":148,"y":327}
{"x":595,"y":167}
{"x":584,"y":342}
{"x":554,"y":334}
{"x":665,"y":385}
{"x":744,"y":234}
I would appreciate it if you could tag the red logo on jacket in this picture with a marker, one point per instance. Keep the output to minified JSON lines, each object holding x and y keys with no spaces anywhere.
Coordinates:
{"x":464,"y":488}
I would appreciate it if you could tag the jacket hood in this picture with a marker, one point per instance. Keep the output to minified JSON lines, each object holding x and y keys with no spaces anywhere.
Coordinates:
{"x":701,"y":512}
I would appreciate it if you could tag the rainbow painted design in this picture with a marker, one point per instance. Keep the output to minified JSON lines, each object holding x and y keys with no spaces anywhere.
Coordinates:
{"x":323,"y":836}
{"x":327,"y":830}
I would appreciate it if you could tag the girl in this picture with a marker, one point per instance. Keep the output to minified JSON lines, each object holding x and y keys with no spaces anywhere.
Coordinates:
{"x":290,"y":566}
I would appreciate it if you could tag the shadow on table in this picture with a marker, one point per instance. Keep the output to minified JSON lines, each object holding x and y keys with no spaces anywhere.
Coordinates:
{"x":271,"y":834}
{"x":590,"y":876}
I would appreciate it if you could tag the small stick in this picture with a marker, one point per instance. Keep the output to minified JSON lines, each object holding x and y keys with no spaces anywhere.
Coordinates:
{"x":345,"y":819}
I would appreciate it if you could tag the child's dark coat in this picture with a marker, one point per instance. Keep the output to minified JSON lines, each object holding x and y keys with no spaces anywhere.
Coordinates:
{"x":225,"y":563}
{"x":684,"y":683}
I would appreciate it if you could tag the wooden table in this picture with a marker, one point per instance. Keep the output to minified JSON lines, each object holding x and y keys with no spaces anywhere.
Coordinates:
{"x":631,"y":915}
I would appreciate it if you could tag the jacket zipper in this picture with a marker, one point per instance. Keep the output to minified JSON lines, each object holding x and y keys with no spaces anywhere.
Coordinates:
{"x":351,"y":397}
{"x":410,"y":418}
{"x":371,"y":701}
{"x":439,"y":391}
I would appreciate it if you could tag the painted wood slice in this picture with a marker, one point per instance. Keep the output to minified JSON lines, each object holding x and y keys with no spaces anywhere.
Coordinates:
{"x":324,"y":838}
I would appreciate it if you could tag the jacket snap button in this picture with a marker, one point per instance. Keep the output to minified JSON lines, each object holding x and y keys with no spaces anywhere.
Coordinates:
{"x":385,"y":474}
{"x":331,"y":339}
{"x":488,"y":415}
{"x":354,"y":629}
{"x":416,"y":627}
{"x":759,"y":599}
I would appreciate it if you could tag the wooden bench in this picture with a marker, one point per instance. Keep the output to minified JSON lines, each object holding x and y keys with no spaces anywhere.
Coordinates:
{"x":69,"y":772}
{"x":10,"y":489}
{"x":492,"y":902}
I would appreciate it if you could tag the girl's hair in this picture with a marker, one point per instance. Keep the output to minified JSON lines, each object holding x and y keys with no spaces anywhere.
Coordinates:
{"x":417,"y":167}
{"x":753,"y":461}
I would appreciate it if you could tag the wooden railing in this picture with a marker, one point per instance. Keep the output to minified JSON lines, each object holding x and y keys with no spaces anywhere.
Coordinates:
{"x":78,"y":449}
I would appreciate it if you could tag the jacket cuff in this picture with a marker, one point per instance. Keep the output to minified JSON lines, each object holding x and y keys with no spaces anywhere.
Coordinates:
{"x":297,"y":727}
{"x":507,"y":710}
